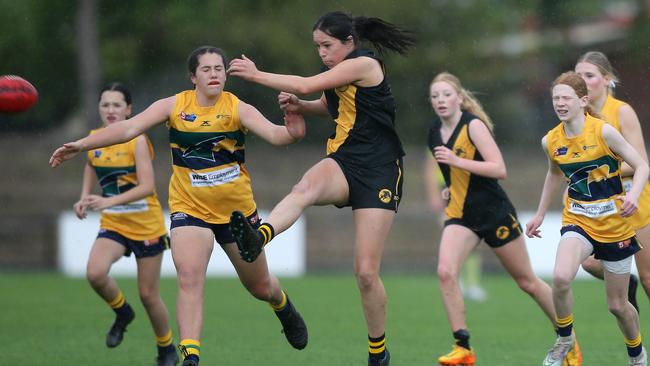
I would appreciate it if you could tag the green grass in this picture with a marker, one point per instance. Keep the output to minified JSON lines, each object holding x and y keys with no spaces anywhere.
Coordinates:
{"x":48,"y":319}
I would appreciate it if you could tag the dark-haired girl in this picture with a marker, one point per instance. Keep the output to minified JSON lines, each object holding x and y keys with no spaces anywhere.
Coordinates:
{"x":363,"y":167}
{"x":207,"y":129}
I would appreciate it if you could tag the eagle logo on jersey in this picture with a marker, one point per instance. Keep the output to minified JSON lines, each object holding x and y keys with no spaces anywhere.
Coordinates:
{"x":204,"y":149}
{"x":460,"y":152}
{"x":385,"y":195}
{"x":593,"y":176}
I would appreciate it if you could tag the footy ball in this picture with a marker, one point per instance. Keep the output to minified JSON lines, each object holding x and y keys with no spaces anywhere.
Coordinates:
{"x":16,"y":94}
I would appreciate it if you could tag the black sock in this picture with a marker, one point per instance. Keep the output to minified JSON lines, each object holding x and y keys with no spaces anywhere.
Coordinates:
{"x":462,"y":338}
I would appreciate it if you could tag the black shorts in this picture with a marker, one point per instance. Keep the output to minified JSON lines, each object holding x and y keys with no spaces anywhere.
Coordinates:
{"x":497,"y":231}
{"x":221,"y":232}
{"x":141,"y":248}
{"x":375,"y":187}
{"x":611,"y":252}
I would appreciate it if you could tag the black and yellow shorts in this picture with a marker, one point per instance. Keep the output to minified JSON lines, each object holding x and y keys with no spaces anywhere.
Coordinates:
{"x":373,"y":187}
{"x":221,"y":232}
{"x":495,"y":230}
{"x":141,"y":248}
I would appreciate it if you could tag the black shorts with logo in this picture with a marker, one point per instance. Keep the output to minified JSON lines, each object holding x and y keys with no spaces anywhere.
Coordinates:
{"x":497,"y":230}
{"x":141,"y":248}
{"x":221,"y":232}
{"x":611,"y":252}
{"x":373,"y":187}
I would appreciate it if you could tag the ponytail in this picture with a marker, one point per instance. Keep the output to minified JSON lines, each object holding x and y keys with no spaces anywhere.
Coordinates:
{"x":383,"y":35}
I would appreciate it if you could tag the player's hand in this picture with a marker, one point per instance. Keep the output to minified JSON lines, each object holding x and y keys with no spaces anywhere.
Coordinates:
{"x":80,"y":209}
{"x":289,"y":102}
{"x":65,"y":152}
{"x":295,"y":124}
{"x":242,"y":67}
{"x":445,"y":156}
{"x":96,"y":203}
{"x":629,"y":206}
{"x":532,"y":227}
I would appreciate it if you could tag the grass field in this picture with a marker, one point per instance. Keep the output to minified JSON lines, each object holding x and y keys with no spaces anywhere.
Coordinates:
{"x":48,"y":319}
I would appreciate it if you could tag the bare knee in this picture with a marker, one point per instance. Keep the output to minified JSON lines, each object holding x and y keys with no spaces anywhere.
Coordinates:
{"x":302,"y":192}
{"x":260,"y":289}
{"x":149,"y":296}
{"x":96,"y":277}
{"x":447,"y":275}
{"x":189,"y":278}
{"x":562,"y":282}
{"x":617,"y":307}
{"x":528,"y":285}
{"x":367,"y":279}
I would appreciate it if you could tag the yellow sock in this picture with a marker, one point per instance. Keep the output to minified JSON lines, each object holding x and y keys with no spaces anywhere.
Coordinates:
{"x":282,"y":304}
{"x":165,"y":340}
{"x":190,"y":347}
{"x":118,"y":302}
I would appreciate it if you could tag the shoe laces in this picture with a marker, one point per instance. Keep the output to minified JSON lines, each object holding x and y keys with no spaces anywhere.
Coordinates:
{"x":561,"y":348}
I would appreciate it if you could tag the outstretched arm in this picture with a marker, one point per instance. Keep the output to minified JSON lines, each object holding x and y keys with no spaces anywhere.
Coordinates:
{"x":347,"y":72}
{"x":551,"y":183}
{"x":291,"y":103}
{"x":292,"y":131}
{"x":117,"y":132}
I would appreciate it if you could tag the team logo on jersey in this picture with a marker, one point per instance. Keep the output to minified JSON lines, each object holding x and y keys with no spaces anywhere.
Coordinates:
{"x":97,"y":153}
{"x":188,"y":117}
{"x":385,"y":195}
{"x":561,"y":151}
{"x":460,"y":152}
{"x":204,"y":149}
{"x":595,"y":175}
{"x":502,"y":232}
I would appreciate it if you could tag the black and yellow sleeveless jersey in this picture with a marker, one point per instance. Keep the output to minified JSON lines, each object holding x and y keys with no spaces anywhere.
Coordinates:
{"x":471,"y":197}
{"x":116,"y":174}
{"x":365,"y":122}
{"x":593,"y":173}
{"x":641,"y":217}
{"x":209,"y":179}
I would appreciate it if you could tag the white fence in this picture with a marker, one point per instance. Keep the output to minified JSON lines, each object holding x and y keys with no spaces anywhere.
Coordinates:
{"x":286,"y":255}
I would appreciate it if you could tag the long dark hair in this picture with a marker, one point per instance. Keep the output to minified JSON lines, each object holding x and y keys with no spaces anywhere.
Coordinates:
{"x":118,"y":87}
{"x":193,"y":58}
{"x":383,"y":35}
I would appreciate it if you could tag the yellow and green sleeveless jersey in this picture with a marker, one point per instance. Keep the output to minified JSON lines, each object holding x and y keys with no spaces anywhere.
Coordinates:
{"x":209,"y":179}
{"x":641,"y":217}
{"x":593,"y":173}
{"x":116,"y":173}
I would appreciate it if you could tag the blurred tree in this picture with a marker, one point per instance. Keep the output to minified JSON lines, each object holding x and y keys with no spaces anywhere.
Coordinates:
{"x":90,"y":71}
